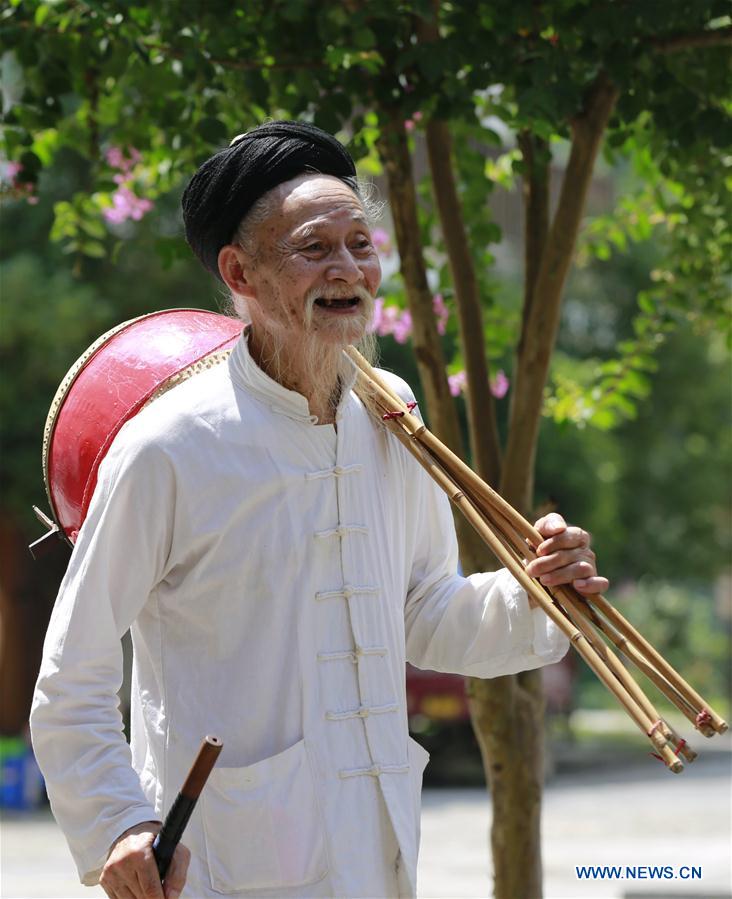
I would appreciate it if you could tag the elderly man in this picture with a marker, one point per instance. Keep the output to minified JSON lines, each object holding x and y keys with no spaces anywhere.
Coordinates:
{"x":278,"y":556}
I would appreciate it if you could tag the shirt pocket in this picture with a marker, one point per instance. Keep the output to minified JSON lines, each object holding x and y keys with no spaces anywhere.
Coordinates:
{"x":262,"y":824}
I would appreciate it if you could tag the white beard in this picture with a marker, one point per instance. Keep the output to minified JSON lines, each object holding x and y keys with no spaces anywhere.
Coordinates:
{"x":317,"y":366}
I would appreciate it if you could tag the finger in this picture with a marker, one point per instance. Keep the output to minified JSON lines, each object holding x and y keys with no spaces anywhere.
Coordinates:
{"x":591,"y":585}
{"x":118,"y":890}
{"x":120,"y":883}
{"x":550,"y":524}
{"x":569,"y":573}
{"x":124,"y":892}
{"x":571,"y":538}
{"x":148,"y":879}
{"x":176,"y":877}
{"x":546,"y":564}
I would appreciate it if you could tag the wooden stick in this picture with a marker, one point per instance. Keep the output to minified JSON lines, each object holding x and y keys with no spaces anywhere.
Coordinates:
{"x":705,"y":712}
{"x":705,"y":716}
{"x":584,"y":618}
{"x":505,"y":530}
{"x":182,"y":808}
{"x":648,"y":725}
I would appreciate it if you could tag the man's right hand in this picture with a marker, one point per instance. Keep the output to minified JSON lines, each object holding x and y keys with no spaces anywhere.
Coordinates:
{"x":131,"y":871}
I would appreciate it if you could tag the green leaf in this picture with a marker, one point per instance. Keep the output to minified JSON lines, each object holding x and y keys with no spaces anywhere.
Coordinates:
{"x":93,"y":248}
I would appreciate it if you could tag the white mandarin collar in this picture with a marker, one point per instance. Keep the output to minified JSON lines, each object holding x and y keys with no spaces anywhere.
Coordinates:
{"x":247,"y":374}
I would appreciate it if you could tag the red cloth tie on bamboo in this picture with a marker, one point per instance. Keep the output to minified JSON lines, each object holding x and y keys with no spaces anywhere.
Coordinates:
{"x":389,"y":415}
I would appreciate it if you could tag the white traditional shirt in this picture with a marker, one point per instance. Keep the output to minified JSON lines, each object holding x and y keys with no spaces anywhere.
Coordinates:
{"x":275,"y":574}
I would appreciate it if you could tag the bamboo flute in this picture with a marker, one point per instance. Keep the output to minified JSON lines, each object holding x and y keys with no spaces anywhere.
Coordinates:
{"x":581,"y":616}
{"x":511,"y":537}
{"x":584,"y":617}
{"x":629,"y":632}
{"x":648,"y":725}
{"x":584,"y":606}
{"x":454,"y":463}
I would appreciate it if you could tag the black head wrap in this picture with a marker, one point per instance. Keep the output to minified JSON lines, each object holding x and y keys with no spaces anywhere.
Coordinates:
{"x":228,"y":184}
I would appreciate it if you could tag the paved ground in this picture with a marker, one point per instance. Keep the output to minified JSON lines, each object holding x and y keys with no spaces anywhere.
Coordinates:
{"x":635,"y":814}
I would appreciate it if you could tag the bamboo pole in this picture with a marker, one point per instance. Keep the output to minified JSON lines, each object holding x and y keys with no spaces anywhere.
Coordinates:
{"x":705,"y":717}
{"x":651,"y":727}
{"x":584,"y":618}
{"x":510,"y":537}
{"x":705,"y":714}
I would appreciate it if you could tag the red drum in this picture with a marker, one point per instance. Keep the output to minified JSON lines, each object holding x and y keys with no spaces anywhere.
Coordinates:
{"x":121,"y":372}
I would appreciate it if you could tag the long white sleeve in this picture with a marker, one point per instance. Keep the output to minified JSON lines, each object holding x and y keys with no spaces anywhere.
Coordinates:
{"x":76,"y":725}
{"x":481,"y":625}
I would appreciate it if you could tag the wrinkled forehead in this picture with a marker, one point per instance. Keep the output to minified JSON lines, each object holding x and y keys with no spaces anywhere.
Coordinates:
{"x":311,"y":198}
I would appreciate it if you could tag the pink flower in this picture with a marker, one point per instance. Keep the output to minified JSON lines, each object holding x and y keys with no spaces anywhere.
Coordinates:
{"x":375,"y":323}
{"x":417,"y":116}
{"x":126,"y":205}
{"x":125,"y":202}
{"x":391,"y":320}
{"x":114,"y":157}
{"x":499,"y":384}
{"x":12,"y":169}
{"x":441,"y":311}
{"x":117,"y":159}
{"x":457,"y":383}
{"x":403,"y":327}
{"x":409,"y":125}
{"x":381,"y":240}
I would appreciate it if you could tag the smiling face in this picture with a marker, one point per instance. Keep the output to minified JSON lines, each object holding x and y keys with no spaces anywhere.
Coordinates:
{"x":312,"y":270}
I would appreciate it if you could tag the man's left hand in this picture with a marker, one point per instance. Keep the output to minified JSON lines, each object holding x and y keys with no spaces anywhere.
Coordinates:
{"x":565,"y":557}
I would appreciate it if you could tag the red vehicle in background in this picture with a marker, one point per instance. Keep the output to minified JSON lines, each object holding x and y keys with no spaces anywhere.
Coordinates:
{"x":438,"y":707}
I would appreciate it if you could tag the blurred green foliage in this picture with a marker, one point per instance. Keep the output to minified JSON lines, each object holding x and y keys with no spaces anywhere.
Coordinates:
{"x":682,"y":622}
{"x":635,"y":443}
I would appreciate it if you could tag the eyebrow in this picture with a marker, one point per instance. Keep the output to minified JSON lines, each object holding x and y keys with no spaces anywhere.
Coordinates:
{"x":308,"y":230}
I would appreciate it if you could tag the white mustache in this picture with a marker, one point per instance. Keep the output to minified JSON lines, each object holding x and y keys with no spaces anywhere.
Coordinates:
{"x":338,"y":293}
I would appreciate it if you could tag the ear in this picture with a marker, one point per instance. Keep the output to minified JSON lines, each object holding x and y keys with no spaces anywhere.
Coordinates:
{"x":234,"y":267}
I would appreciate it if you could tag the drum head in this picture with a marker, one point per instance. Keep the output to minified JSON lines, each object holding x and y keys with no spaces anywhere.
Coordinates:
{"x":118,"y":375}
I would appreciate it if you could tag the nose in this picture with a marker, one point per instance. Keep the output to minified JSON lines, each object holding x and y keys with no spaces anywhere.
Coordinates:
{"x":343,"y":267}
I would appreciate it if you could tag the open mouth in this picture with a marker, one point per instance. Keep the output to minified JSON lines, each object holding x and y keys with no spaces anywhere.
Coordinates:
{"x":337,"y":302}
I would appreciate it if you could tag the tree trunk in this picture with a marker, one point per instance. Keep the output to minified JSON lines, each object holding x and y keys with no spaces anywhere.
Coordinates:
{"x":394,"y":153}
{"x":483,"y":427}
{"x":541,"y":319}
{"x":507,"y":716}
{"x":508,"y":712}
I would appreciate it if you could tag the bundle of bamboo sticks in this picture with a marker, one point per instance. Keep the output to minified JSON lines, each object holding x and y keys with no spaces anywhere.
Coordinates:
{"x":582,"y":618}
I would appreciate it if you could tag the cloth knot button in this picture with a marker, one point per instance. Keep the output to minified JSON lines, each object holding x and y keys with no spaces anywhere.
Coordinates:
{"x":337,"y":472}
{"x":343,"y":530}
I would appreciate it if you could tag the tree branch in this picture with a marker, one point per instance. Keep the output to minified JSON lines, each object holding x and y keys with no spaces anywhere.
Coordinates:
{"x":238,"y":65}
{"x":709,"y":37}
{"x":543,"y":321}
{"x":536,"y":217}
{"x":483,"y":427}
{"x":394,"y":153}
